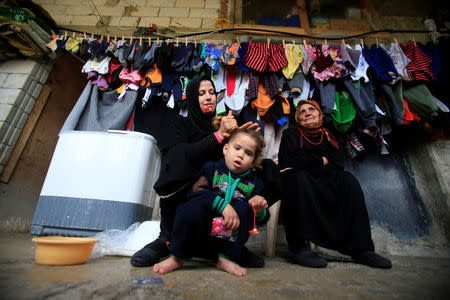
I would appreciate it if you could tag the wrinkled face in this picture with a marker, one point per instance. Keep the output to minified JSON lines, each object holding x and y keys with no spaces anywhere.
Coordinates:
{"x":207,"y":97}
{"x":308,"y":115}
{"x":240,"y":153}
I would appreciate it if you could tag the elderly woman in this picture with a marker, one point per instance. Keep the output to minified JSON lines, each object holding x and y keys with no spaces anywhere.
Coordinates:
{"x":195,"y":141}
{"x":321,"y":202}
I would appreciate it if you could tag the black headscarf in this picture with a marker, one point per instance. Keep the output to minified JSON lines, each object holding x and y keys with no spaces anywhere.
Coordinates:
{"x":201,"y":123}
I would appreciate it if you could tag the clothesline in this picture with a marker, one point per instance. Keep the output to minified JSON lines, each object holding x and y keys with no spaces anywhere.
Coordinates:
{"x":185,"y":37}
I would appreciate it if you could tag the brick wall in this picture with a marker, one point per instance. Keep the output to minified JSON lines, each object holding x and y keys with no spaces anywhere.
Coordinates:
{"x":132,"y":13}
{"x":21,"y":82}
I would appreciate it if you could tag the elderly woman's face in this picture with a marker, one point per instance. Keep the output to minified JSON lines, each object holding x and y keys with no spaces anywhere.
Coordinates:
{"x":308,"y":115}
{"x":207,"y":97}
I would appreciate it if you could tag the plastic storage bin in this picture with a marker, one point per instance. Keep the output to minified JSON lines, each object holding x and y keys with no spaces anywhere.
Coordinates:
{"x":97,"y":181}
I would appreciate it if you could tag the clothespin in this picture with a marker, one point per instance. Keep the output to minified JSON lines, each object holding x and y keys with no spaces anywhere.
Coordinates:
{"x":293,"y":42}
{"x":343,"y":42}
{"x":107,"y":38}
{"x":84,"y":34}
{"x":140,"y":41}
{"x":177,"y":42}
{"x":326,"y":42}
{"x":284,"y":43}
{"x":362,"y":43}
{"x":268,"y":43}
{"x":149,"y":41}
{"x":65,"y":34}
{"x":304,"y":43}
{"x":115,"y":39}
{"x":195,"y":42}
{"x":157,"y":41}
{"x":92,"y":35}
{"x":376,"y":39}
{"x":186,"y":41}
{"x":237,"y":40}
{"x":395,"y":40}
{"x":131,"y":40}
{"x":101,"y":38}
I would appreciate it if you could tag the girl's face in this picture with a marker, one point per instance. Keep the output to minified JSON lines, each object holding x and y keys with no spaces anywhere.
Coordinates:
{"x":207,"y":97}
{"x":240,"y":153}
{"x":308,"y":115}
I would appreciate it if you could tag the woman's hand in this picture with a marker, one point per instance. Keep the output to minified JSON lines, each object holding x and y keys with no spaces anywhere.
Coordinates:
{"x":231,"y":218}
{"x":259,"y":203}
{"x":227,"y":124}
{"x":325,"y":160}
{"x":251,"y":126}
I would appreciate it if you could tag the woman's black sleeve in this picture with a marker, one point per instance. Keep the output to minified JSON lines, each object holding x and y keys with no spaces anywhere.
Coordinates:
{"x":336,"y":157}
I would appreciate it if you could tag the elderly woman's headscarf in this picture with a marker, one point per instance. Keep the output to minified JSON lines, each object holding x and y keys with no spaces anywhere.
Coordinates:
{"x":201,"y":123}
{"x":317,"y":129}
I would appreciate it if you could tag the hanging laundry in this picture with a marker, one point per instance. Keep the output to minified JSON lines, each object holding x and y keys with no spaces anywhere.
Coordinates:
{"x":419,"y":68}
{"x":381,"y":63}
{"x":399,"y":59}
{"x":294,"y":56}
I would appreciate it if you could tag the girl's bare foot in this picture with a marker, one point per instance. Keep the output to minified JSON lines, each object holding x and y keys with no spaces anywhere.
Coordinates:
{"x":231,"y":267}
{"x":168,"y":265}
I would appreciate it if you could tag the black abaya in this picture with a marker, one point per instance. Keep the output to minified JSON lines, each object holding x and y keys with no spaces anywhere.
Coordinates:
{"x":321,"y":203}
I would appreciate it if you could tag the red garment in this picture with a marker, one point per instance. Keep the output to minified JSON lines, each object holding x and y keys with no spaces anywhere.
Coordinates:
{"x":419,"y":67}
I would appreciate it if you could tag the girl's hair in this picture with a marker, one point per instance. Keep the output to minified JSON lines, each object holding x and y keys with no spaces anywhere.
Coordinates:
{"x":260,"y":143}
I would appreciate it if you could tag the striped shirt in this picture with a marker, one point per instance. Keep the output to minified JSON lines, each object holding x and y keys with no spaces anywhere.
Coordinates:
{"x":419,"y":67}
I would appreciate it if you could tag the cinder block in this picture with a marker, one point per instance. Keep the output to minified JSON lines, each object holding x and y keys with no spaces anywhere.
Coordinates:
{"x":173,"y":12}
{"x":4,"y":156}
{"x":72,"y":2}
{"x":55,"y":9}
{"x":11,"y":96}
{"x":212,"y":4}
{"x":7,"y":112}
{"x":3,"y":128}
{"x":186,"y":22}
{"x":7,"y":135}
{"x":23,"y":119}
{"x":84,"y":20}
{"x":37,"y":90}
{"x":140,"y":2}
{"x":30,"y":105}
{"x":16,"y":117}
{"x":31,"y":87}
{"x":161,"y":3}
{"x":14,"y":137}
{"x":2,"y":78}
{"x":159,"y":21}
{"x":44,"y":1}
{"x":111,"y":10}
{"x":203,"y":13}
{"x":65,"y":20}
{"x":18,"y":81}
{"x":78,"y":10}
{"x":190,"y":3}
{"x":145,"y":12}
{"x":26,"y":66}
{"x":209,"y":23}
{"x":24,"y":102}
{"x":124,"y":21}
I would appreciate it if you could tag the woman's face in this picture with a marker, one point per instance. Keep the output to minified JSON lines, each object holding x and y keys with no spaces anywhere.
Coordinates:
{"x":308,"y":115}
{"x":207,"y":97}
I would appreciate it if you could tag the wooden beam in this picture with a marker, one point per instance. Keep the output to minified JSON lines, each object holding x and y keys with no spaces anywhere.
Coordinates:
{"x":288,"y":30}
{"x":238,"y":11}
{"x":303,"y":15}
{"x":25,"y":134}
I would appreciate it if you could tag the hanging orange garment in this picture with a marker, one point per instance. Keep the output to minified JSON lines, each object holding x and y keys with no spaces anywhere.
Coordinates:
{"x":263,"y":102}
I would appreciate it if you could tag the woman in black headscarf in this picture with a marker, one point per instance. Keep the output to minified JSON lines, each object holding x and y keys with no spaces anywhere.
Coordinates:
{"x":195,"y":141}
{"x":321,"y":202}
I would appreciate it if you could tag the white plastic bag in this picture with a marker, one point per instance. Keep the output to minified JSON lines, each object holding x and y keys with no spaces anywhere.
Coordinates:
{"x":125,"y":242}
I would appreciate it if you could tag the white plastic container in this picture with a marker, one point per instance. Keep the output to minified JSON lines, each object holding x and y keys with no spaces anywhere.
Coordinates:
{"x":98,"y":181}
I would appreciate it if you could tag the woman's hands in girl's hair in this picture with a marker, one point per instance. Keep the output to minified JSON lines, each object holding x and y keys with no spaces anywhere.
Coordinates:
{"x":227,"y":124}
{"x":251,"y":126}
{"x":325,"y":160}
{"x":231,"y":218}
{"x":259,"y":203}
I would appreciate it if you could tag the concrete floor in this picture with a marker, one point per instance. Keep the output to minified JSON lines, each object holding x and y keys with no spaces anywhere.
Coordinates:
{"x":111,"y":278}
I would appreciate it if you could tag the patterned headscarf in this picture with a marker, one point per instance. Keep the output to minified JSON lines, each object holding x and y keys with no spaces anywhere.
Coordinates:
{"x":318,"y":128}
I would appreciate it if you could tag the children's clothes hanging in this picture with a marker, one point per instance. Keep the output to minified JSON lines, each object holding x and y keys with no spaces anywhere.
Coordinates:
{"x":381,"y":63}
{"x":361,"y":70}
{"x":97,"y":110}
{"x":399,"y":59}
{"x":294,"y":56}
{"x":419,"y":68}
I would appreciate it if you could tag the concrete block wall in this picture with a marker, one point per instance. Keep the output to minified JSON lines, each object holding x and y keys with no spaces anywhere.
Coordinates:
{"x":141,"y":13}
{"x":21,"y":82}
